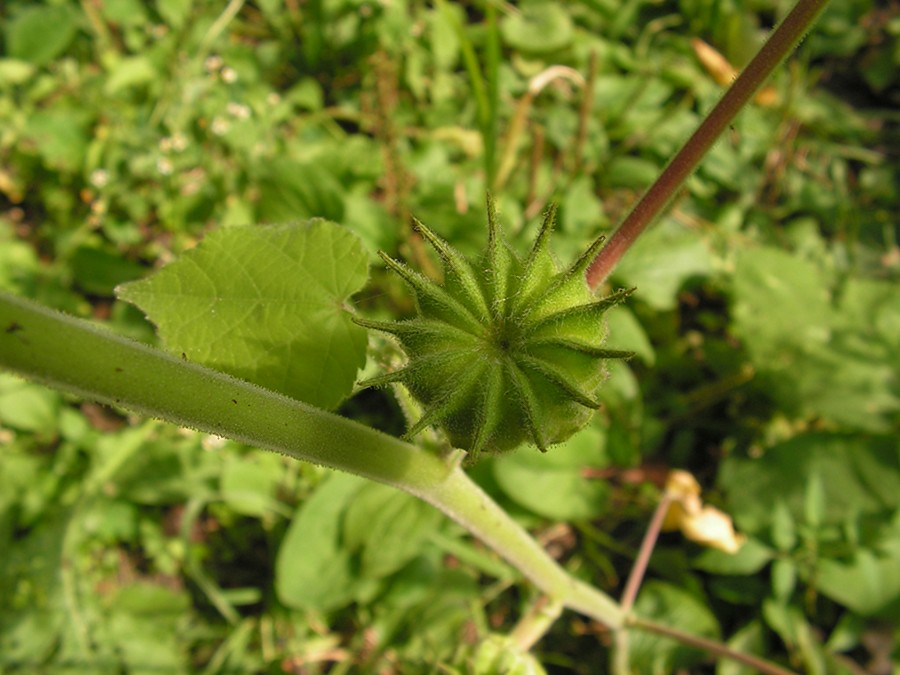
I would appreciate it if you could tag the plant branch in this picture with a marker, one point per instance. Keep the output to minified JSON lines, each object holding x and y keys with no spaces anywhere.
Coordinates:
{"x":535,"y":624}
{"x":640,"y":564}
{"x":782,"y":41}
{"x":711,"y":646}
{"x":632,"y":586}
{"x":221,"y":23}
{"x":79,"y":357}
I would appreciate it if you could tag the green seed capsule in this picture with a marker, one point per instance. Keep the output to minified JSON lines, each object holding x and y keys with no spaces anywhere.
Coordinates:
{"x":507,"y":350}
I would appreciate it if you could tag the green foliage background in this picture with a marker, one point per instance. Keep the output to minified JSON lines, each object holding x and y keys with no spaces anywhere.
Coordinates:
{"x":766,"y":322}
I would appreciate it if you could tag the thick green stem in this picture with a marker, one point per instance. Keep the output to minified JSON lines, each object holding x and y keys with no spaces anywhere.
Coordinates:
{"x":782,"y":41}
{"x":79,"y":357}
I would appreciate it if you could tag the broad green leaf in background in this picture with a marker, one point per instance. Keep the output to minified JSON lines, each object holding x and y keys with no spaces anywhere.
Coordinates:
{"x":553,"y":485}
{"x":347,"y":537}
{"x":18,"y":261}
{"x":15,"y":71}
{"x":249,"y":483}
{"x":149,"y":467}
{"x":26,"y":406}
{"x":175,"y":12}
{"x":670,"y":605}
{"x":39,"y":34}
{"x":386,"y":528}
{"x":748,"y":640}
{"x":626,"y":333}
{"x":31,"y":603}
{"x":749,"y":559}
{"x":124,"y":12}
{"x":661,"y":261}
{"x":784,"y":579}
{"x":842,"y":362}
{"x":428,"y":607}
{"x":444,"y":40}
{"x":290,"y":189}
{"x":265,"y":304}
{"x":580,"y":214}
{"x":858,"y":476}
{"x":869,"y":581}
{"x":60,"y":137}
{"x":801,"y":638}
{"x":538,"y":28}
{"x":99,"y":269}
{"x":144,"y":626}
{"x":631,"y":172}
{"x":313,"y":568}
{"x":134,"y":71}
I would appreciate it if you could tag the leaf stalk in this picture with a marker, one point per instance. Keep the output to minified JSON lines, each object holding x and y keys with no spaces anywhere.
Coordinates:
{"x":782,"y":41}
{"x":81,"y":358}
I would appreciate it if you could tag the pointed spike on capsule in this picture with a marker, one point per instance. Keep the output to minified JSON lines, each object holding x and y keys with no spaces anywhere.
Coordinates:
{"x":437,"y":243}
{"x":416,"y":327}
{"x":448,"y":254}
{"x":427,"y":289}
{"x":579,"y":267}
{"x":439,"y":411}
{"x":574,"y":275}
{"x":528,"y":405}
{"x":383,"y":380}
{"x":560,"y":380}
{"x":613,"y":354}
{"x":494,"y":233}
{"x":543,"y":238}
{"x":409,"y":275}
{"x":456,"y":264}
{"x":410,"y":371}
{"x":489,"y":414}
{"x":431,"y":417}
{"x":537,"y":268}
{"x":392,"y":327}
{"x":497,"y":265}
{"x":619,"y":295}
{"x":598,"y":307}
{"x":583,"y":348}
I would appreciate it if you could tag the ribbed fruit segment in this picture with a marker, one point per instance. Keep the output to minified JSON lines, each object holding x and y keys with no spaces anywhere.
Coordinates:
{"x":508,"y":350}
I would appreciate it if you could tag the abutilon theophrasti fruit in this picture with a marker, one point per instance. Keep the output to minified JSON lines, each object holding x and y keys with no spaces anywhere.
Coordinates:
{"x":506,"y":350}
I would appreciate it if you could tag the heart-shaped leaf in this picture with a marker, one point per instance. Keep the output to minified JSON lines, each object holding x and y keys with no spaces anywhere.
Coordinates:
{"x":265,"y":304}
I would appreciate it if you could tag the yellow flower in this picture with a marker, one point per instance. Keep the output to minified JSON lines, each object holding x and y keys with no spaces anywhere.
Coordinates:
{"x":704,"y":524}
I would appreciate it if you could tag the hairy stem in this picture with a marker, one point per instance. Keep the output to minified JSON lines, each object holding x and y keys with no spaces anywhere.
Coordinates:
{"x":535,"y":624}
{"x":782,"y":41}
{"x":79,"y":357}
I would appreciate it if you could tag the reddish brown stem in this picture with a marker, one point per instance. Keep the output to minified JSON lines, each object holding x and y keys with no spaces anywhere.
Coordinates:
{"x":647,"y":545}
{"x":777,"y":47}
{"x":711,"y":646}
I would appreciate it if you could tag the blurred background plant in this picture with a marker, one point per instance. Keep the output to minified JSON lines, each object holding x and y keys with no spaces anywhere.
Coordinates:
{"x":766,"y":323}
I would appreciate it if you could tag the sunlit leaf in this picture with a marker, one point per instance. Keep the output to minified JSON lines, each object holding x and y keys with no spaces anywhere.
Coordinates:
{"x":40,"y":33}
{"x":670,"y":605}
{"x":868,"y":581}
{"x":554,"y":485}
{"x":265,"y":304}
{"x":857,"y":475}
{"x":661,"y":261}
{"x":313,"y":570}
{"x":839,"y":362}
